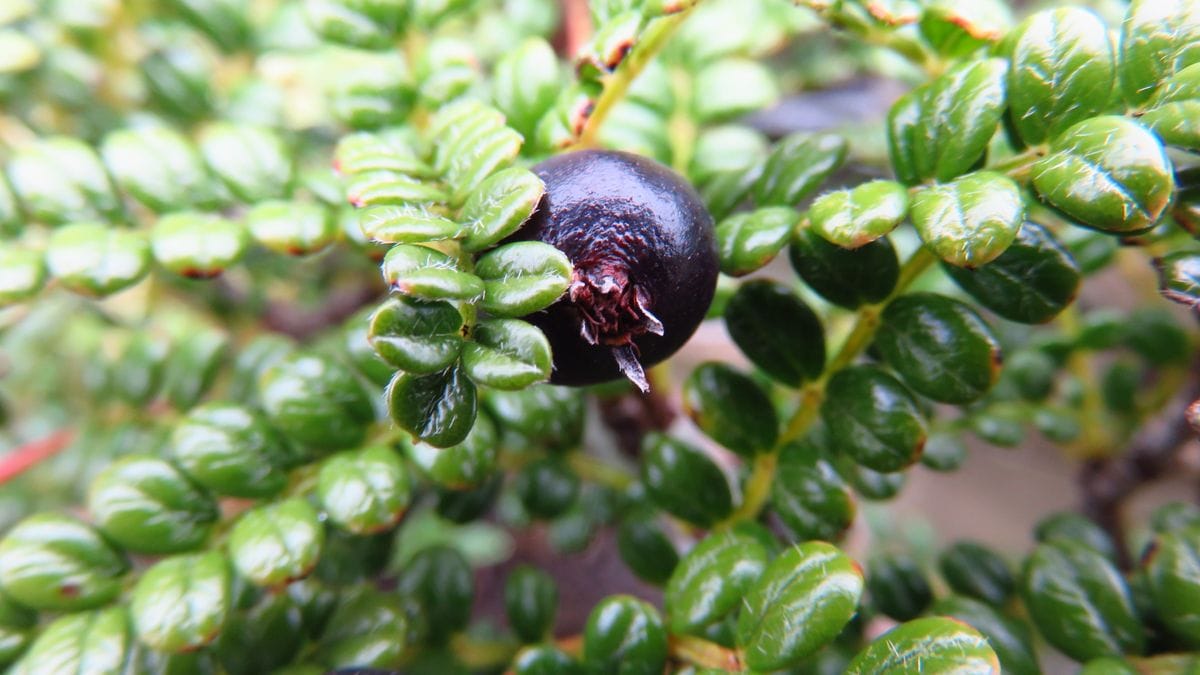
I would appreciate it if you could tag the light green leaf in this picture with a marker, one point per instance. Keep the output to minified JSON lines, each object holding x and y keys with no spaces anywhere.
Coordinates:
{"x":970,"y":221}
{"x":507,"y":354}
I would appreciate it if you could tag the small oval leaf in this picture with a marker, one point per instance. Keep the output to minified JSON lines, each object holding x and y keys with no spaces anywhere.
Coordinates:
{"x":970,"y":221}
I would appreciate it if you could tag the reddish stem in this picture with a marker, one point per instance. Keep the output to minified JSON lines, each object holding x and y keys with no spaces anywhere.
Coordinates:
{"x":33,"y":453}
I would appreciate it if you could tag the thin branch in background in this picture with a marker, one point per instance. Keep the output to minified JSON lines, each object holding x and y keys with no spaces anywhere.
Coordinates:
{"x":33,"y":453}
{"x":1108,"y":482}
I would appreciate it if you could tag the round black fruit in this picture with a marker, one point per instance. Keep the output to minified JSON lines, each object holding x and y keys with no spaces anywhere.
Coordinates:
{"x":645,"y":262}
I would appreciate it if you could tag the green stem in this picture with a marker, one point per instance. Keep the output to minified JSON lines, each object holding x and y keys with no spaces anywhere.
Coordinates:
{"x":644,"y":51}
{"x":590,"y":468}
{"x":757,"y":488}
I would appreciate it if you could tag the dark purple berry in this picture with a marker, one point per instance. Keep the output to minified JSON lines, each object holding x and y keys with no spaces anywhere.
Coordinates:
{"x":645,"y":262}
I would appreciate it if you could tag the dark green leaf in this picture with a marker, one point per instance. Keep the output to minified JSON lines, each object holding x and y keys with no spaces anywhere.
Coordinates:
{"x":897,"y":587}
{"x":316,"y":402}
{"x":540,"y":415}
{"x":367,"y":630}
{"x":848,"y":278}
{"x":683,"y":481}
{"x":646,"y":549}
{"x":530,"y":602}
{"x":440,"y":580}
{"x":1108,"y":173}
{"x":547,"y":488}
{"x":777,"y":331}
{"x":731,"y":408}
{"x":1080,"y":603}
{"x":545,"y":660}
{"x":1076,"y":529}
{"x":1031,"y":282}
{"x":873,"y":418}
{"x":438,"y":408}
{"x":1172,"y":570}
{"x":231,"y":451}
{"x":809,"y":497}
{"x":625,"y":635}
{"x":499,"y":206}
{"x":180,"y":603}
{"x":813,"y":585}
{"x":463,"y":465}
{"x":418,"y":336}
{"x":265,"y":637}
{"x":940,"y":346}
{"x":507,"y":354}
{"x":974,"y":570}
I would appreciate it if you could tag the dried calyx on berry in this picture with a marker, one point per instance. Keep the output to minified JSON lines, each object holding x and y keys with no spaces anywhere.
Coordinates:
{"x":645,"y":260}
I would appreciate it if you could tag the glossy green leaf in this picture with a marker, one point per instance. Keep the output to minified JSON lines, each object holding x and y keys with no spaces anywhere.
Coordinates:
{"x":87,"y":642}
{"x":1008,"y":637}
{"x":405,"y":224}
{"x":852,"y":218}
{"x":530,"y":602}
{"x":747,"y":241}
{"x":507,"y":354}
{"x":897,"y":587}
{"x":931,"y":646}
{"x":796,"y":166}
{"x":462,"y":465}
{"x":731,"y":408}
{"x":231,"y":450}
{"x":1031,"y":282}
{"x":971,"y":569}
{"x":547,"y":487}
{"x":315,"y":402}
{"x":277,"y":543}
{"x":1179,"y":278}
{"x":545,"y":660}
{"x":941,"y":129}
{"x":441,"y":582}
{"x":1108,"y":173}
{"x":1175,"y":110}
{"x":808,"y":495}
{"x":367,"y":630}
{"x":710,"y":582}
{"x":262,"y":638}
{"x":96,"y":259}
{"x":390,"y":150}
{"x":427,"y":274}
{"x":645,"y":547}
{"x":416,"y":335}
{"x":1080,"y":603}
{"x":958,"y":29}
{"x":777,"y":331}
{"x":1172,"y":571}
{"x":159,"y":167}
{"x":57,"y":563}
{"x":523,"y":277}
{"x":873,"y":418}
{"x":348,"y":559}
{"x":438,"y":408}
{"x":294,"y":228}
{"x":814,"y":585}
{"x":146,"y":504}
{"x":1158,"y":39}
{"x":1063,"y":71}
{"x":624,"y":635}
{"x":970,"y":221}
{"x":941,"y":347}
{"x":180,"y":603}
{"x":1073,"y":528}
{"x":726,"y":148}
{"x":197,"y":245}
{"x":499,"y":206}
{"x":251,"y":161}
{"x":848,"y":278}
{"x":364,"y":491}
{"x":526,"y":83}
{"x":684,"y":481}
{"x":22,"y":274}
{"x":472,"y":142}
{"x":60,"y":179}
